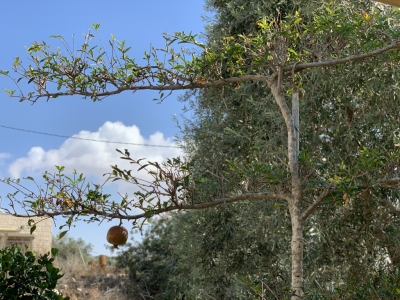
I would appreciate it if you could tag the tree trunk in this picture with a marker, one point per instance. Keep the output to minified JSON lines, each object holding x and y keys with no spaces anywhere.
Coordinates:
{"x":294,"y":204}
{"x":297,"y":248}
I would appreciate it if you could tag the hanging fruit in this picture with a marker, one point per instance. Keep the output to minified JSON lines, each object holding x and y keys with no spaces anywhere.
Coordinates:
{"x":117,"y":236}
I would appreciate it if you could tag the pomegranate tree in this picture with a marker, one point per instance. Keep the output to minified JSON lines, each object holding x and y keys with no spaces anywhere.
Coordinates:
{"x":117,"y":236}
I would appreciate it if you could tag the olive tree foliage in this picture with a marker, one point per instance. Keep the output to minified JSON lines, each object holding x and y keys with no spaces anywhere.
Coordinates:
{"x":314,"y":53}
{"x":342,"y":240}
{"x":70,"y":248}
{"x":180,"y":256}
{"x":357,"y":132}
{"x":154,"y":263}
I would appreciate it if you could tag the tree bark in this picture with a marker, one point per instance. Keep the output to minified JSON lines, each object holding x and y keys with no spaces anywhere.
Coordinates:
{"x":297,"y":248}
{"x":297,"y":190}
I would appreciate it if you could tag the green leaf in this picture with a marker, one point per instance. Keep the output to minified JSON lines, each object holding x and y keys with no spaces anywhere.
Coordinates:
{"x":297,"y":21}
{"x":95,"y":25}
{"x":292,"y":51}
{"x":16,"y":62}
{"x":60,"y":168}
{"x":54,"y":251}
{"x":142,"y":167}
{"x":61,"y":234}
{"x":59,"y":85}
{"x":10,"y":92}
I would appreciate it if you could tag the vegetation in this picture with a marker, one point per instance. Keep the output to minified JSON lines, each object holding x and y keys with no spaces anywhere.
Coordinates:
{"x":25,"y":276}
{"x":294,"y":142}
{"x":339,"y":119}
{"x":183,"y":256}
{"x":82,"y":276}
{"x":73,"y":249}
{"x":152,"y":264}
{"x":90,"y":282}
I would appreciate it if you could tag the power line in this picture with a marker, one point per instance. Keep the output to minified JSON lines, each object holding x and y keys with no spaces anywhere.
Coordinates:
{"x":92,"y":140}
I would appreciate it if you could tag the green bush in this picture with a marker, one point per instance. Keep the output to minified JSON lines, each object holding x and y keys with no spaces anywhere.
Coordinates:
{"x":24,"y":276}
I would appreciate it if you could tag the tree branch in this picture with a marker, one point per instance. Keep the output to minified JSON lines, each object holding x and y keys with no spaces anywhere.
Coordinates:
{"x":147,"y":214}
{"x":332,"y":62}
{"x":390,"y":206}
{"x":162,"y":87}
{"x":315,"y":204}
{"x":186,"y":82}
{"x":390,"y":183}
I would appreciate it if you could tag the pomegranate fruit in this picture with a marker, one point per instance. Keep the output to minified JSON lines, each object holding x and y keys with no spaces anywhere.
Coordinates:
{"x":117,"y":235}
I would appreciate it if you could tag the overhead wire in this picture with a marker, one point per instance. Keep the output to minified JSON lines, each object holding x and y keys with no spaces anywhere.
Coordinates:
{"x":85,"y":139}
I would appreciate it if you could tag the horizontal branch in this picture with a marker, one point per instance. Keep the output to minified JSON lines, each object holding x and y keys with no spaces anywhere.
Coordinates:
{"x":79,"y":77}
{"x":383,"y":183}
{"x":161,"y":87}
{"x":390,"y":183}
{"x":221,"y":201}
{"x":332,"y":62}
{"x":220,"y":82}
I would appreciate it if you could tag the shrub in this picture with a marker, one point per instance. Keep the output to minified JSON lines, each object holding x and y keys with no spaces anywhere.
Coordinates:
{"x":24,"y":276}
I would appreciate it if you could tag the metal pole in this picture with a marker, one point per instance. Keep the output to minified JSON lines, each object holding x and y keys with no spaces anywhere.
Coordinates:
{"x":296,"y":118}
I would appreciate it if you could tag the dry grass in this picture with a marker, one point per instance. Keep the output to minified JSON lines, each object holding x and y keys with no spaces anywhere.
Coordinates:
{"x":87,"y":282}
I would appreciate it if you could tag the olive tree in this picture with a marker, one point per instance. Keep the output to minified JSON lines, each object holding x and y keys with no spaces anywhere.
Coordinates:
{"x":242,"y":124}
{"x":277,"y":57}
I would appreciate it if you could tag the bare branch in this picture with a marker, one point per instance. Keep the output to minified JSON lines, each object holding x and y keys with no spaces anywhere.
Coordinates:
{"x":315,"y":204}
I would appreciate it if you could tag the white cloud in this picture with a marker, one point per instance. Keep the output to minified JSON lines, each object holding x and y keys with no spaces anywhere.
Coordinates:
{"x":94,"y":158}
{"x":3,"y":157}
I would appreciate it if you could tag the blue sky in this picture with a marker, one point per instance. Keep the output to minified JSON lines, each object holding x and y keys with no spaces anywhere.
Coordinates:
{"x":131,"y":118}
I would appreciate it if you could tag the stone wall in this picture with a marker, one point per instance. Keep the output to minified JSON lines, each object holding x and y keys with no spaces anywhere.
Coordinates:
{"x":16,"y":231}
